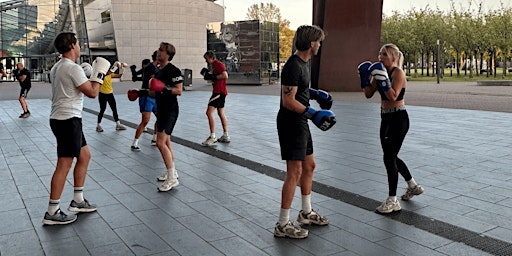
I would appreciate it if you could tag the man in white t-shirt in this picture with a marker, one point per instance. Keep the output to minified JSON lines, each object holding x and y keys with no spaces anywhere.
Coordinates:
{"x":69,"y":84}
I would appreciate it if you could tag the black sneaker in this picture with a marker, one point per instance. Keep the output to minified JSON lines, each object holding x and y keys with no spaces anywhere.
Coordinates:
{"x":59,"y":218}
{"x":81,"y":207}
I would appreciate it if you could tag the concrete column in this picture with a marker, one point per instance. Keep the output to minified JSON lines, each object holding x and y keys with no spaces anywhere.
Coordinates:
{"x":352,"y":36}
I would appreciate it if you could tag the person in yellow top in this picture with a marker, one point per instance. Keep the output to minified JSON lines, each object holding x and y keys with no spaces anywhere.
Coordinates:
{"x":106,"y":95}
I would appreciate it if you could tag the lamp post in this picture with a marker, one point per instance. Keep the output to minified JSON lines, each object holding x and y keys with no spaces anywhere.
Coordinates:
{"x":438,"y":62}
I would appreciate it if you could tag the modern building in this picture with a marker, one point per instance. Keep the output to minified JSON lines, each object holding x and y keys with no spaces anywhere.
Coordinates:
{"x":128,"y":31}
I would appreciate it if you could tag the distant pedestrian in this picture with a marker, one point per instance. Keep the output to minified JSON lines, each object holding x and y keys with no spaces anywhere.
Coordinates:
{"x":218,"y":76}
{"x":388,"y":78}
{"x":106,"y":95}
{"x":23,"y":76}
{"x":69,"y":84}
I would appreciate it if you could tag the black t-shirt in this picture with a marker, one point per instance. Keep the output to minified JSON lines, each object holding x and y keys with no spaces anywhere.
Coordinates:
{"x":147,"y":72}
{"x":296,"y":73}
{"x":26,"y":83}
{"x":171,"y":76}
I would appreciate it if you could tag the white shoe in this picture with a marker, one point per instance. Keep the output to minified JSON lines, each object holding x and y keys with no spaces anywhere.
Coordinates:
{"x":410,"y":192}
{"x":120,"y":127}
{"x":389,"y":205}
{"x":163,"y":176}
{"x":168,"y":184}
{"x":99,"y":129}
{"x":209,"y":141}
{"x":224,"y":139}
{"x":175,"y":173}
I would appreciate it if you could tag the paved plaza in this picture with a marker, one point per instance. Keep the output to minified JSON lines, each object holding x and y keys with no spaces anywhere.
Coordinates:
{"x":227,"y":203}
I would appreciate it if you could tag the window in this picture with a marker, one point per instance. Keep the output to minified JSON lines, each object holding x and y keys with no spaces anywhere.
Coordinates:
{"x":105,"y":16}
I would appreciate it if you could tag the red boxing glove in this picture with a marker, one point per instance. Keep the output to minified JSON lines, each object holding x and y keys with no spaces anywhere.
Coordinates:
{"x":133,"y":94}
{"x":156,"y":85}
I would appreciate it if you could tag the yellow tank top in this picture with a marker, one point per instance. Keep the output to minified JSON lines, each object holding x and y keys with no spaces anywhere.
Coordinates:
{"x":106,"y":87}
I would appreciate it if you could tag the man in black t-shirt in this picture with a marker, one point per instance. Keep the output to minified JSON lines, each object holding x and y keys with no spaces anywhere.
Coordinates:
{"x":23,"y":76}
{"x":294,"y":135}
{"x":168,"y":109}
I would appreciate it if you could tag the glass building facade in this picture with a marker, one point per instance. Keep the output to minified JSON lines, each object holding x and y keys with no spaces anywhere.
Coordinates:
{"x":114,"y":29}
{"x":249,"y":49}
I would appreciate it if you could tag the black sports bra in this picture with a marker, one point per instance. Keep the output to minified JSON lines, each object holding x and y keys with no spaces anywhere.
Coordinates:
{"x":383,"y":95}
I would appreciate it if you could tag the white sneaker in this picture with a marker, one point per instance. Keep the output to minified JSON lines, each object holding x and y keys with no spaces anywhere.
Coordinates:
{"x":290,"y":230}
{"x":224,"y":139}
{"x":120,"y":127}
{"x":410,"y":192}
{"x":163,"y":176}
{"x":209,"y":141}
{"x":99,"y":129}
{"x":389,"y":205}
{"x":168,"y":184}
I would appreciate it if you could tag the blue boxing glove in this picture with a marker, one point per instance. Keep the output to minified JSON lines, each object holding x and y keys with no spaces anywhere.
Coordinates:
{"x":323,"y":98}
{"x":323,"y":119}
{"x":380,"y":74}
{"x":364,"y":74}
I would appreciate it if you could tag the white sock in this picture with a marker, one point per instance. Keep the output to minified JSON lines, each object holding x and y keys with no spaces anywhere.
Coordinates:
{"x":174,"y":172}
{"x":135,"y":142}
{"x":392,"y":198}
{"x":118,"y":122}
{"x":284,"y":216}
{"x":170,"y":173}
{"x":212,"y":135}
{"x":53,"y":206}
{"x":411,"y":183}
{"x":78,"y":194}
{"x":306,"y":203}
{"x":154,"y":136}
{"x":225,"y":134}
{"x":99,"y":124}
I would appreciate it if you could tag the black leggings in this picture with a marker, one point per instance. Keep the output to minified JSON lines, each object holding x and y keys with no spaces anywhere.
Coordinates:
{"x":393,"y":128}
{"x":103,"y":99}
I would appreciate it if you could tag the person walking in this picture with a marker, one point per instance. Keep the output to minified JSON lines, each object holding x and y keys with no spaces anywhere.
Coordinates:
{"x":167,"y":85}
{"x":294,"y":135}
{"x":69,"y":84}
{"x":106,"y":95}
{"x":388,"y":78}
{"x":23,"y":76}
{"x":147,"y":104}
{"x":218,"y":76}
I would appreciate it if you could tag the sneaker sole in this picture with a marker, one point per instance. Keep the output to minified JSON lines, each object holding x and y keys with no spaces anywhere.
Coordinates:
{"x":136,"y":149}
{"x":387,"y":212}
{"x":52,"y":222}
{"x":75,"y":209}
{"x":162,"y":190}
{"x":287,"y":236}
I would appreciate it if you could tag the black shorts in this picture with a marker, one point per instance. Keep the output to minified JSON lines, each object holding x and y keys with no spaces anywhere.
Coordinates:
{"x":166,"y":120}
{"x":217,"y":100}
{"x":294,"y":138}
{"x":24,"y":92}
{"x":69,"y":135}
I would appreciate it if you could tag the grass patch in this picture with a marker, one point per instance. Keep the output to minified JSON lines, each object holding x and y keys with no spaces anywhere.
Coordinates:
{"x":417,"y":77}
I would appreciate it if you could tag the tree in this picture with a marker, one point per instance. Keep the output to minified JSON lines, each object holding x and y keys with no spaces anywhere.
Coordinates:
{"x":271,"y":13}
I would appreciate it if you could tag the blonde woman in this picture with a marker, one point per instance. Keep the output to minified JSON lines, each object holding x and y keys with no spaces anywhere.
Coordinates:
{"x":388,"y":78}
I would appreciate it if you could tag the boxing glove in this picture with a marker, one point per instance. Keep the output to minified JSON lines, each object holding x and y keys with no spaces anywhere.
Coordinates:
{"x":100,"y":67}
{"x":323,"y":98}
{"x":87,"y":69}
{"x":323,"y":119}
{"x":380,"y":74}
{"x":204,"y":71}
{"x":156,"y":85}
{"x":364,"y":73}
{"x":133,"y":94}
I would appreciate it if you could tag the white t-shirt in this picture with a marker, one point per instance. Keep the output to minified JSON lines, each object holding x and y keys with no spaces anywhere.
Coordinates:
{"x":67,"y":100}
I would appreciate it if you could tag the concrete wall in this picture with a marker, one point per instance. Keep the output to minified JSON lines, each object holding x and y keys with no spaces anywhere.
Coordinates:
{"x":353,"y":36}
{"x":140,"y":26}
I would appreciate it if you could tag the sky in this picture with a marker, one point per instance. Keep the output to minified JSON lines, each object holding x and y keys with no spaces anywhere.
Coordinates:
{"x":299,"y":12}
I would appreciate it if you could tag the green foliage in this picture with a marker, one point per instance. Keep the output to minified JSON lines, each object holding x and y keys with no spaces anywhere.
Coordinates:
{"x":463,"y":34}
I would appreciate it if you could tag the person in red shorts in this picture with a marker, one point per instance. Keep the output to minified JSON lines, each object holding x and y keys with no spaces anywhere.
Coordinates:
{"x":218,"y":76}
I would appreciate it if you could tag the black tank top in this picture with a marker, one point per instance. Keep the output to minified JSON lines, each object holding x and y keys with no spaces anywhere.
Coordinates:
{"x":383,"y":95}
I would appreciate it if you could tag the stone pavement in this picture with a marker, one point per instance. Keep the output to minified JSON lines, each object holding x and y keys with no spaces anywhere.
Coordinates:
{"x":228,"y":198}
